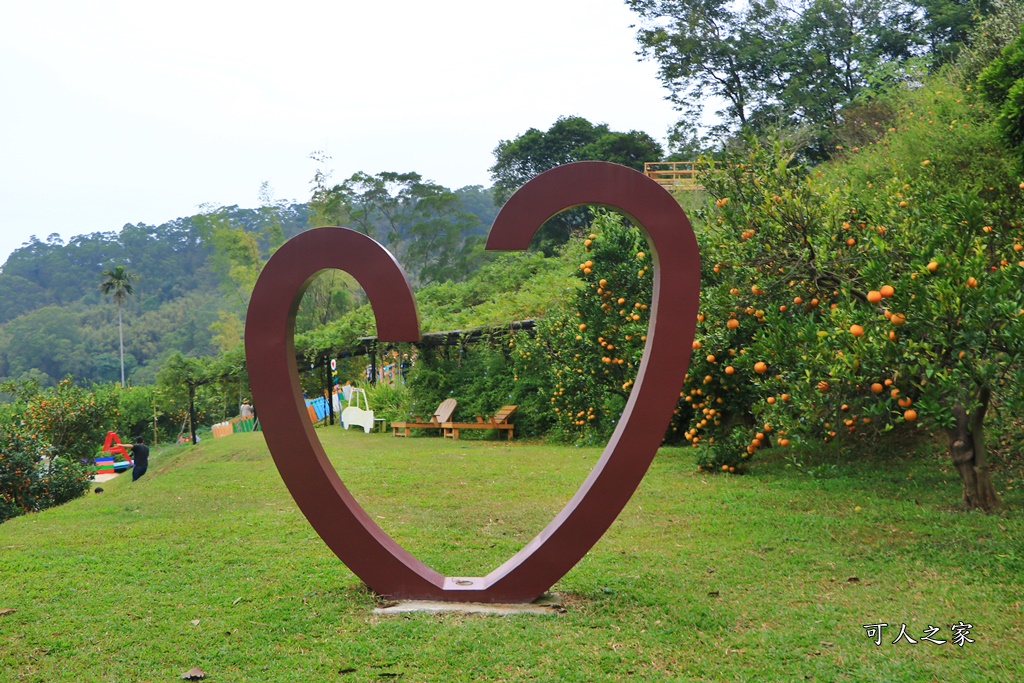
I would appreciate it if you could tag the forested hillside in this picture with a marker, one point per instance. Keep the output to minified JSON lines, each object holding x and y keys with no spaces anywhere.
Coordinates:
{"x":192,"y":275}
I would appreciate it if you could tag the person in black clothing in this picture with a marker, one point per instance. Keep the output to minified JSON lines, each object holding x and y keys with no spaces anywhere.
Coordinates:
{"x":140,"y":455}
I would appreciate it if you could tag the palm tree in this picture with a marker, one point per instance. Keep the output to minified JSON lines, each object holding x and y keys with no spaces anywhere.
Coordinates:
{"x":119,"y":282}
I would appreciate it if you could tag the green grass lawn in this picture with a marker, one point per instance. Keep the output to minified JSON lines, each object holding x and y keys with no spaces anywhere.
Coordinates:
{"x":207,"y":562}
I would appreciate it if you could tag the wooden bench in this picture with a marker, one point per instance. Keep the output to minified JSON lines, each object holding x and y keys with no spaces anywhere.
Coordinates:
{"x":499,"y":422}
{"x":442,"y":414}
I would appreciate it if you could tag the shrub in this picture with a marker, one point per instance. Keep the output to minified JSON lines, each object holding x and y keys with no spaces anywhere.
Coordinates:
{"x":29,"y":482}
{"x":71,"y":420}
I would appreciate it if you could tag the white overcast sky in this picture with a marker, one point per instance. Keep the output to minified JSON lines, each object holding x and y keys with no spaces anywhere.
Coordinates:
{"x":127,"y":112}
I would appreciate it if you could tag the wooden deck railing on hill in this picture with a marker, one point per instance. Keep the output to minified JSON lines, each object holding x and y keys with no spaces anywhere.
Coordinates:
{"x":677,"y":175}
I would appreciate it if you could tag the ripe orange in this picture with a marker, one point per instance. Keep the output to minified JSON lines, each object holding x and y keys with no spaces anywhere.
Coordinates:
{"x":898,"y":319}
{"x":711,"y":358}
{"x":887,"y":291}
{"x":877,"y":388}
{"x":760,"y":367}
{"x":932,"y":266}
{"x":583,"y":326}
{"x":696,"y":344}
{"x":905,"y":402}
{"x":733,"y":323}
{"x":874,"y":296}
{"x":823,"y":386}
{"x":850,"y":242}
{"x":910,"y":415}
{"x":783,"y":442}
{"x":729,"y":369}
{"x":856,"y":330}
{"x":784,"y":397}
{"x":771,"y":400}
{"x":972,"y":283}
{"x":725,"y":468}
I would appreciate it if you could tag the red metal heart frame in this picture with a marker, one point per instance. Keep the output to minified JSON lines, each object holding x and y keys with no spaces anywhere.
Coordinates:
{"x":385,"y":566}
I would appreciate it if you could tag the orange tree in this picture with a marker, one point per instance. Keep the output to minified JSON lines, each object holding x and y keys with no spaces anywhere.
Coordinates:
{"x":71,"y":419}
{"x":584,"y":357}
{"x":883,"y":289}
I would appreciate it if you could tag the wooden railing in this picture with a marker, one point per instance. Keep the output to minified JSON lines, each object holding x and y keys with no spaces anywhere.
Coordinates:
{"x":678,"y":175}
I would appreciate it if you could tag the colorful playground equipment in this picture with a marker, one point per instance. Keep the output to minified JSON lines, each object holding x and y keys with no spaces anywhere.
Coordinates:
{"x":354,"y":415}
{"x":105,"y":463}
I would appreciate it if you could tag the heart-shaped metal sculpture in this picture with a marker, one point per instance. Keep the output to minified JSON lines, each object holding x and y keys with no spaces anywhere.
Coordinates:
{"x":385,"y":566}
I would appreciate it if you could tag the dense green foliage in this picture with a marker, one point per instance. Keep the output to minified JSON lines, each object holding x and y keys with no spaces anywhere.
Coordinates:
{"x":48,"y":441}
{"x":570,"y":138}
{"x":29,"y":480}
{"x":783,"y":64}
{"x":1002,"y":83}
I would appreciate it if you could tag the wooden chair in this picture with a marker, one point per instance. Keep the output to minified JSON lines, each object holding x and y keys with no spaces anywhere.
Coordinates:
{"x":499,"y":422}
{"x":442,"y":414}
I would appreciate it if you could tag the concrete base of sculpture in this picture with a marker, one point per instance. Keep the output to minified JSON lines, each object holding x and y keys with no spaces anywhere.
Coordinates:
{"x":547,"y":604}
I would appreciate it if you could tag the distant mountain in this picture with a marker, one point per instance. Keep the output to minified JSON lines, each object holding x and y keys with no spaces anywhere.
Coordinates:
{"x":54,"y":321}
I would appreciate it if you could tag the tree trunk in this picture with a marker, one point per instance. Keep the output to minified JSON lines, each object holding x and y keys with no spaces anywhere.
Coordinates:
{"x":120,"y":333}
{"x":967,"y":448}
{"x":192,"y":413}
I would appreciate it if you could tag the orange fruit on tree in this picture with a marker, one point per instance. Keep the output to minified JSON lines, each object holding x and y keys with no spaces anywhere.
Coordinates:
{"x":886,"y":291}
{"x":711,"y":358}
{"x":910,"y":415}
{"x":856,"y":330}
{"x":696,"y":344}
{"x":733,"y":323}
{"x":729,"y":369}
{"x":932,"y":266}
{"x":784,"y":397}
{"x":905,"y":402}
{"x":972,"y":282}
{"x":898,"y":319}
{"x":877,"y":388}
{"x":823,"y":386}
{"x":874,"y":296}
{"x":760,"y":367}
{"x":770,"y":400}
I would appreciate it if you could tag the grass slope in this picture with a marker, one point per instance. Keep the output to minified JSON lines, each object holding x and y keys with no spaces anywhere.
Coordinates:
{"x":207,"y":562}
